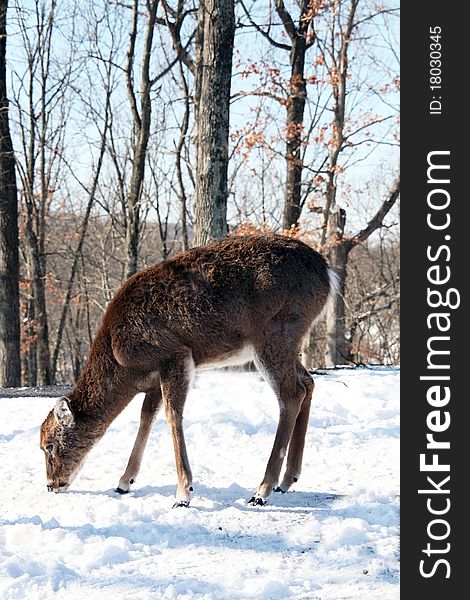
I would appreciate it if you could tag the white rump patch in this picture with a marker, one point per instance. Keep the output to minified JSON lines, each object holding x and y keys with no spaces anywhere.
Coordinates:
{"x":334,"y":283}
{"x":190,"y":370}
{"x":334,"y":290}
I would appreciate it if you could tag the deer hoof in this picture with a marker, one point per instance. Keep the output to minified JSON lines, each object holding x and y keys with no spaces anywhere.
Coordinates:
{"x":279,"y":489}
{"x":121,"y":491}
{"x":256,"y":501}
{"x":183,"y":503}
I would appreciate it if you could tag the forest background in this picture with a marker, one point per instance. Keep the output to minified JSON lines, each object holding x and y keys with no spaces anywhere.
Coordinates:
{"x":137,"y":129}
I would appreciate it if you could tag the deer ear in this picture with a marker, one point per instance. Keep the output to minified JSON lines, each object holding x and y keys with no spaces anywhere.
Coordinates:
{"x":62,"y":413}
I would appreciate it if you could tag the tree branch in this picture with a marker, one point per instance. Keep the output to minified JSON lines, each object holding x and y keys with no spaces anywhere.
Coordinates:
{"x":377,"y":219}
{"x":130,"y":67}
{"x":175,"y":29}
{"x":286,"y":19}
{"x":372,"y":311}
{"x":279,"y":99}
{"x":263,"y":32}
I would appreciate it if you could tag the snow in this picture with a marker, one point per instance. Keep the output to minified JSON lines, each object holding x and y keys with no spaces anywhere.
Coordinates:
{"x":334,"y":537}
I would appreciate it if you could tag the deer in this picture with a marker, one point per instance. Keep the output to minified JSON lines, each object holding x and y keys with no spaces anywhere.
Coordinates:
{"x":240,"y":299}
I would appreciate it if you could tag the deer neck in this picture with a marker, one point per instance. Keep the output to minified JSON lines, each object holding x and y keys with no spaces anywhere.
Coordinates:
{"x":104,"y":388}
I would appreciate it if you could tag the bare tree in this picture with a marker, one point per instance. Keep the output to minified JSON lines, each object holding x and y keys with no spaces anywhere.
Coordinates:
{"x":301,"y":35}
{"x":140,"y":83}
{"x":106,"y":157}
{"x":10,"y":365}
{"x":182,"y":195}
{"x":340,"y":246}
{"x":101,"y":119}
{"x":335,"y":48}
{"x":42,"y":112}
{"x":372,"y":300}
{"x":141,"y":121}
{"x":214,"y":41}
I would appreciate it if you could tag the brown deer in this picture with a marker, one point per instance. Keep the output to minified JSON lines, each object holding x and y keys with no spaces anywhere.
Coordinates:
{"x":231,"y":301}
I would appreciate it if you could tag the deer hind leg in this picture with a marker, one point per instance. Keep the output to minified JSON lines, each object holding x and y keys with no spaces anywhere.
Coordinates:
{"x":175,"y":384}
{"x":150,"y":407}
{"x":291,"y":391}
{"x":297,"y":442}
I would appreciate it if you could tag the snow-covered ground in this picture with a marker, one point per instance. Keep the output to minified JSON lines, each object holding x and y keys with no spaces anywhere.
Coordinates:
{"x":334,"y":537}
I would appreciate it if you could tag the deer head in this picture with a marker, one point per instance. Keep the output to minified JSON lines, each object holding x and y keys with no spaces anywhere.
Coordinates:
{"x":64,"y":445}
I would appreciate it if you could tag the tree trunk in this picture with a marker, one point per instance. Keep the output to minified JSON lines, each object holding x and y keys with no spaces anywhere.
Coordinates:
{"x":39,"y":294}
{"x":142,"y":121}
{"x":42,"y":141}
{"x":336,"y":351}
{"x":10,"y":364}
{"x":215,"y":34}
{"x":30,"y":359}
{"x":182,"y":199}
{"x":301,"y":38}
{"x":294,"y":129}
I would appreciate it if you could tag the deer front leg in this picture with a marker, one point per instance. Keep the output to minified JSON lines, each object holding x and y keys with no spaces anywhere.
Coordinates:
{"x":175,"y":385}
{"x":150,"y":407}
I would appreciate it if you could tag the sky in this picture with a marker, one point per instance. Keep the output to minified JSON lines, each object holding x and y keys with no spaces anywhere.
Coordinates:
{"x":254,"y":179}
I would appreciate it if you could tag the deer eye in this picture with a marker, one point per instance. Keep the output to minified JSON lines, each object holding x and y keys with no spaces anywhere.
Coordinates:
{"x":49,"y":448}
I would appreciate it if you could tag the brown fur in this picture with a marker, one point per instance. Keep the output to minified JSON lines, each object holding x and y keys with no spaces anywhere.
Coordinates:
{"x":203,"y":305}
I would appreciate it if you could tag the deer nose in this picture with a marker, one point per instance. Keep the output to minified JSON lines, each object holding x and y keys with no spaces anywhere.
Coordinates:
{"x":50,"y":488}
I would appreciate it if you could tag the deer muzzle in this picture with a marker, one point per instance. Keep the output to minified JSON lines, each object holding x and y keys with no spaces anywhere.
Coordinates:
{"x":57,"y":488}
